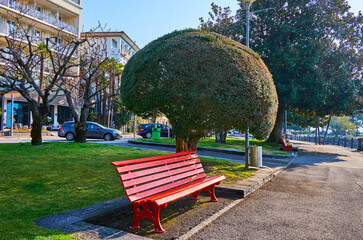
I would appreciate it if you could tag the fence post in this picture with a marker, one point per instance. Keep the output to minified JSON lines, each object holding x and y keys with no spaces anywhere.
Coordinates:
{"x":351,"y":144}
{"x":345,"y":142}
{"x":338,"y":141}
{"x":360,"y":147}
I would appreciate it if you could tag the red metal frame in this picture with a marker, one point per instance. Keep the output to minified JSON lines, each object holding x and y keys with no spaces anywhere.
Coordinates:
{"x":151,"y":183}
{"x":287,"y":147}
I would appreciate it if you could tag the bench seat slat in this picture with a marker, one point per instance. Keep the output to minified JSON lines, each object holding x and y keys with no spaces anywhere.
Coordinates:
{"x":160,"y":182}
{"x":164,"y":188}
{"x":184,"y":191}
{"x":142,"y":160}
{"x":149,"y":171}
{"x":140,"y":166}
{"x":149,"y":178}
{"x":180,"y":188}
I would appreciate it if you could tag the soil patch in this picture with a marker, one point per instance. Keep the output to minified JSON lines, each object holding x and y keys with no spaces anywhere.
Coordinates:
{"x":177,"y":219}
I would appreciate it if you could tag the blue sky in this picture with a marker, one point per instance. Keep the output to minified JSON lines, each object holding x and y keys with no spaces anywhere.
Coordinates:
{"x":145,"y":20}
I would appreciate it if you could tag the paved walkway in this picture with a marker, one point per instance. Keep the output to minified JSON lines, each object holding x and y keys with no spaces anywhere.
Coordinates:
{"x":320,"y":196}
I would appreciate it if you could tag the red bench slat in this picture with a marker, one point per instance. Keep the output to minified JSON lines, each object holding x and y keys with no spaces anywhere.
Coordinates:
{"x":164,"y":188}
{"x":187,"y":190}
{"x":180,"y":188}
{"x":141,"y":160}
{"x":147,"y":186}
{"x":141,"y":173}
{"x":149,"y":178}
{"x":154,"y":163}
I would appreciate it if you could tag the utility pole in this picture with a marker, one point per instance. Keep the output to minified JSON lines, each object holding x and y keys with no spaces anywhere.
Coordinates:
{"x":12,"y":115}
{"x":248,"y":4}
{"x":247,"y":134}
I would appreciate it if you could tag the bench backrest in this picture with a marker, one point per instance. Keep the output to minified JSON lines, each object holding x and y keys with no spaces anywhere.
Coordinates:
{"x":145,"y":177}
{"x":283,"y":141}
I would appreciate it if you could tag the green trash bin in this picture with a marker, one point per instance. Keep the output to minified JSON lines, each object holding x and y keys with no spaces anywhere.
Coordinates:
{"x":156,"y":133}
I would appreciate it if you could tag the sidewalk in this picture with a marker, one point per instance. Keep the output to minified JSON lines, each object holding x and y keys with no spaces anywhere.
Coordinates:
{"x":318,"y":197}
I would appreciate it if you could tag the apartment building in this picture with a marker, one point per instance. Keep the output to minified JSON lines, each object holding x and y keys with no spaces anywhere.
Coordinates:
{"x":44,"y":18}
{"x":119,"y":44}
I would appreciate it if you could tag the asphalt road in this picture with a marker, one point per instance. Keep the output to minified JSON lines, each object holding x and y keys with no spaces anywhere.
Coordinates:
{"x":320,"y":196}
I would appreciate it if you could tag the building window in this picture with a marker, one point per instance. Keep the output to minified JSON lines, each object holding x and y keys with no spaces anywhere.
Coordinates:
{"x":21,"y":114}
{"x":64,"y":114}
{"x":37,"y":33}
{"x":10,"y":27}
{"x":114,"y":43}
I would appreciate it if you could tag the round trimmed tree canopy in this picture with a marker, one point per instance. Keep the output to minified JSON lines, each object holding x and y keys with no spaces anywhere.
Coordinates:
{"x":202,"y":82}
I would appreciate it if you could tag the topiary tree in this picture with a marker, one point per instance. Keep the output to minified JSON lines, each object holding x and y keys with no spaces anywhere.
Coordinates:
{"x":202,"y":82}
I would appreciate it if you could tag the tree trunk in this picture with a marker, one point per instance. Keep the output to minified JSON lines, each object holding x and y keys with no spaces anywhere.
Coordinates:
{"x":39,"y":114}
{"x":316,"y":129}
{"x":327,"y":128}
{"x":221,"y":136}
{"x":276,"y":133}
{"x":319,"y":138}
{"x":154,"y":116}
{"x":36,"y":132}
{"x":193,"y":145}
{"x":81,"y":127}
{"x":182,"y":146}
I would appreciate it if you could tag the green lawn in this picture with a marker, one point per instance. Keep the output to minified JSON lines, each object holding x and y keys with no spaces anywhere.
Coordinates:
{"x":231,"y":143}
{"x":37,"y":181}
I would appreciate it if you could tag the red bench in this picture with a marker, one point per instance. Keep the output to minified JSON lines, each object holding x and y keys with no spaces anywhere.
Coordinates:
{"x":285,"y":143}
{"x":151,"y":183}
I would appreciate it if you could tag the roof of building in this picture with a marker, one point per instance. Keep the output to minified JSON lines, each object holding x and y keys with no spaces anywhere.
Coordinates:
{"x":112,"y":34}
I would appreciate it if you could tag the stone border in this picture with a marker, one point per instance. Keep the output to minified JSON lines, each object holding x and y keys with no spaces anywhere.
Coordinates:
{"x":228,"y":151}
{"x":73,"y":222}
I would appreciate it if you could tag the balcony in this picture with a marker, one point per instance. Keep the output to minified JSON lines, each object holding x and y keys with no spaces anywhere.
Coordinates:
{"x":31,"y":11}
{"x":76,"y":1}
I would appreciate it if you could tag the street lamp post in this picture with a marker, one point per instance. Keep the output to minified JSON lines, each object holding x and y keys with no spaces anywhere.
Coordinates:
{"x":247,"y":137}
{"x":248,"y":4}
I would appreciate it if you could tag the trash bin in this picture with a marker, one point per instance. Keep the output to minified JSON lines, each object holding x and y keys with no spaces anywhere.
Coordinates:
{"x":256,"y":156}
{"x":156,"y":133}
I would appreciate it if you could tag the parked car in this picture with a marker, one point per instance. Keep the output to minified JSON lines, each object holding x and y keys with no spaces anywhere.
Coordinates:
{"x":145,"y":130}
{"x":94,"y":131}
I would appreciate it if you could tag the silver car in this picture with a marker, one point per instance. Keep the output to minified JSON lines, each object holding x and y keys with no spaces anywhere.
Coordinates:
{"x":94,"y":131}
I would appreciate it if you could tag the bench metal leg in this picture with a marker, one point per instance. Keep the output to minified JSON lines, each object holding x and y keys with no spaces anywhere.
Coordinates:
{"x":210,"y":190}
{"x":147,"y":210}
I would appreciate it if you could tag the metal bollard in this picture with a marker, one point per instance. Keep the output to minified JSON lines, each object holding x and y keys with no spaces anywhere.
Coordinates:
{"x":360,"y":147}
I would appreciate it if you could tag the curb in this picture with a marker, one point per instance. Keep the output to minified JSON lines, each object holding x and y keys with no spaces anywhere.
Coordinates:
{"x":228,"y":151}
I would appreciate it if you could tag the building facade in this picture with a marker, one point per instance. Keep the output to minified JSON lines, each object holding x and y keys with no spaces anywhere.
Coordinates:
{"x":119,"y":45}
{"x":44,"y":19}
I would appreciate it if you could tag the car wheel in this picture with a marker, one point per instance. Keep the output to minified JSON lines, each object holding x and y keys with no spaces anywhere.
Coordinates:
{"x":69,"y":136}
{"x":148,"y":135}
{"x":107,"y":137}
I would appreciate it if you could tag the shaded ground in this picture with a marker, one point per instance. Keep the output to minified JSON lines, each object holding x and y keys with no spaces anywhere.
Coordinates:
{"x":320,"y":196}
{"x":177,"y":219}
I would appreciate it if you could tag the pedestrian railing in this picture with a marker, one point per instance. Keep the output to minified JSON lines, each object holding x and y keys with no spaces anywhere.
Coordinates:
{"x":339,"y":141}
